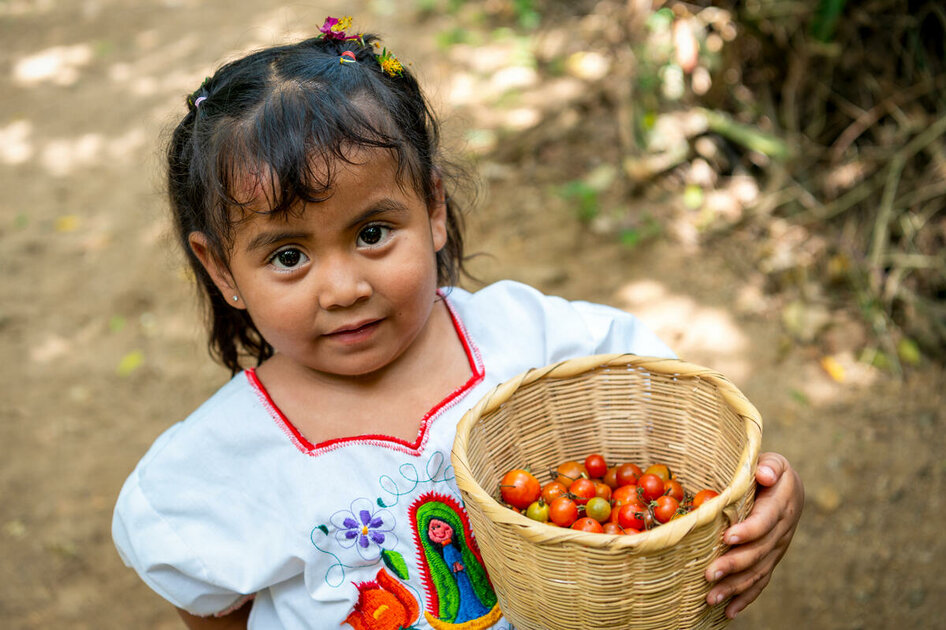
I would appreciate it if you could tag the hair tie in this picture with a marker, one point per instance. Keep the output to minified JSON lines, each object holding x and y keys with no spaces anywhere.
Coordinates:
{"x":198,"y":101}
{"x":347,"y":57}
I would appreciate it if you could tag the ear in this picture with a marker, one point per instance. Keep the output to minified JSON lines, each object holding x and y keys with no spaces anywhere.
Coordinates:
{"x":216,"y":268}
{"x":437,"y":213}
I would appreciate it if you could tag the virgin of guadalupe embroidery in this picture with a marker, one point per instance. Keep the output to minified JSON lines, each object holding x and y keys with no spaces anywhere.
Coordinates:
{"x":459,"y":594}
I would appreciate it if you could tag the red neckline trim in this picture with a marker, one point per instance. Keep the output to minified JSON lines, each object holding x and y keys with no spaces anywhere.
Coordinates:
{"x":387,"y":441}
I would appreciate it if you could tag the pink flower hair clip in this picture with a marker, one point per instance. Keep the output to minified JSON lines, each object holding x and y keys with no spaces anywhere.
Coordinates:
{"x":334,"y":28}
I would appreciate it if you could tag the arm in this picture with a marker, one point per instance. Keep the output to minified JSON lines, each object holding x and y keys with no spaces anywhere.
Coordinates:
{"x":762,"y":539}
{"x":232,"y":621}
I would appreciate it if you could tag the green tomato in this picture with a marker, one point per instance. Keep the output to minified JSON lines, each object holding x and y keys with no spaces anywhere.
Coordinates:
{"x":538,"y":511}
{"x":598,"y":508}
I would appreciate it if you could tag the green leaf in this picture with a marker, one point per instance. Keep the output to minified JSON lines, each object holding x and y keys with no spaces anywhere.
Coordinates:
{"x":908,"y":351}
{"x":825,"y":20}
{"x":395,"y":562}
{"x":130,"y":362}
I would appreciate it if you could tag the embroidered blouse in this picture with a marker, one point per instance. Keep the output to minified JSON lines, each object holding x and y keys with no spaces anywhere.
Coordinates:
{"x":234,"y":502}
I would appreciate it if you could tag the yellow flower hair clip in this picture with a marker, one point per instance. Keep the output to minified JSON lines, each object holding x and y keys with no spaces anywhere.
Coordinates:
{"x":389,"y":62}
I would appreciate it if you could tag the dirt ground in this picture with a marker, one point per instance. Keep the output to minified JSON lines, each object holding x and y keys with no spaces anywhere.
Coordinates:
{"x":104,"y":349}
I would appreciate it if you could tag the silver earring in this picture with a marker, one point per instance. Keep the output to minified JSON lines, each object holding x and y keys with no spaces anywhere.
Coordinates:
{"x":236,"y":298}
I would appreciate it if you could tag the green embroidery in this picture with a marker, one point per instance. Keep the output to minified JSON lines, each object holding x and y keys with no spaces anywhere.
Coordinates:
{"x":394,"y":561}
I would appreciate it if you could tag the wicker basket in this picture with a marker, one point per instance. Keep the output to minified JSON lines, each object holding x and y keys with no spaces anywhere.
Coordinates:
{"x":628,"y":408}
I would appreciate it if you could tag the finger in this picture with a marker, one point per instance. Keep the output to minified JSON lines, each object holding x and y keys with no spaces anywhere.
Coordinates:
{"x":764,"y":517}
{"x":741,"y":581}
{"x":770,"y":468}
{"x":741,"y":558}
{"x":748,"y":596}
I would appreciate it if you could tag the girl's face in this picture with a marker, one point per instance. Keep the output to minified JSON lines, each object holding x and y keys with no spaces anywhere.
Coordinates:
{"x":346,"y":286}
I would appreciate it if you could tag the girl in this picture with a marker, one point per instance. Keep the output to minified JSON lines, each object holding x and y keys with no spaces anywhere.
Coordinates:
{"x":315,"y":489}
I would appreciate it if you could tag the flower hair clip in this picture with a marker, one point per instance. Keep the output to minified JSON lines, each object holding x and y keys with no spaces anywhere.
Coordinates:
{"x":389,"y":63}
{"x":334,"y":28}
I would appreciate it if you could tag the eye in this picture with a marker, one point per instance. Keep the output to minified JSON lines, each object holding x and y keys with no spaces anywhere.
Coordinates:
{"x":373,"y":235}
{"x":289,"y":258}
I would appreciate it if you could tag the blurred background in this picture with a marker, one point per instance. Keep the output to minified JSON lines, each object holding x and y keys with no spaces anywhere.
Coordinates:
{"x":762,"y":182}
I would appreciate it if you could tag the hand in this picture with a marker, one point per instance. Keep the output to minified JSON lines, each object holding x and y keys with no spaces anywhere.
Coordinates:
{"x":457,"y":567}
{"x":760,"y":541}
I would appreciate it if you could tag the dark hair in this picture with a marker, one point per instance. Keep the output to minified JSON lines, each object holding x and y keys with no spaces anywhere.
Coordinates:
{"x":288,"y":113}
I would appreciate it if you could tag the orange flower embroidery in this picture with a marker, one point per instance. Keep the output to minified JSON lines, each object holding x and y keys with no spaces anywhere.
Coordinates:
{"x":383,"y":605}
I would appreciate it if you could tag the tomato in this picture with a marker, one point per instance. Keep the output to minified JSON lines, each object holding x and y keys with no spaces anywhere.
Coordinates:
{"x":612,"y":528}
{"x":519,"y":488}
{"x":602,"y":490}
{"x":598,"y":509}
{"x":538,"y":511}
{"x":563,"y":512}
{"x":651,"y":486}
{"x":581,"y":490}
{"x":588,"y":525}
{"x":666,"y":507}
{"x":569,"y":471}
{"x":702,"y":496}
{"x":596,"y":466}
{"x":661,"y":470}
{"x":553,"y":490}
{"x":624,"y":494}
{"x":631,"y":516}
{"x":627,"y":474}
{"x":672,"y":488}
{"x":610,"y":477}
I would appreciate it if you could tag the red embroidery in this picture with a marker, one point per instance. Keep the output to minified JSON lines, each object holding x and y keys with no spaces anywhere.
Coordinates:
{"x":411,"y":448}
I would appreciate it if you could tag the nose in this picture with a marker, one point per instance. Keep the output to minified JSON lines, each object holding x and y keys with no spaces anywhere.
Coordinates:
{"x":341,"y":282}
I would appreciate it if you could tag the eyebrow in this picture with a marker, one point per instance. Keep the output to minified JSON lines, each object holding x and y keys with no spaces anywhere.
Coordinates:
{"x":384,"y":206}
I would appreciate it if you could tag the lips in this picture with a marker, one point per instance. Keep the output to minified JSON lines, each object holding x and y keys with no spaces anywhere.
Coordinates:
{"x":352,"y":333}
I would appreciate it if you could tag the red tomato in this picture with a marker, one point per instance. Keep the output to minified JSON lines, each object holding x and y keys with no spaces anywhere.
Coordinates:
{"x":627,"y":474}
{"x":672,"y":488}
{"x":666,"y":507}
{"x":563,"y":512}
{"x":651,"y":487}
{"x":596,"y":466}
{"x":581,"y":490}
{"x":553,"y":490}
{"x":602,"y":490}
{"x":612,"y":528}
{"x":569,"y":471}
{"x":661,"y":470}
{"x":588,"y":525}
{"x":631,"y":516}
{"x":598,"y":509}
{"x":702,"y":496}
{"x":610,"y":477}
{"x":624,"y":494}
{"x":519,"y":488}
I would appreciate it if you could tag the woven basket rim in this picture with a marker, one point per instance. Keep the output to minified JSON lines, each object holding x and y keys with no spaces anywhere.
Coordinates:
{"x":668,"y":534}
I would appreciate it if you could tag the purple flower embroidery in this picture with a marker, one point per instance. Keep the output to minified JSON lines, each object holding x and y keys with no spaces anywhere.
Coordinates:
{"x":366,"y":528}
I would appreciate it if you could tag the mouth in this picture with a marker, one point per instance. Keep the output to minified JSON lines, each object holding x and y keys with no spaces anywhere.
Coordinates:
{"x":354,"y":330}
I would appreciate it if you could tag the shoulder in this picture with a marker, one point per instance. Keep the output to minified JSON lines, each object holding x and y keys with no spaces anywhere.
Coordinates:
{"x":541,"y":329}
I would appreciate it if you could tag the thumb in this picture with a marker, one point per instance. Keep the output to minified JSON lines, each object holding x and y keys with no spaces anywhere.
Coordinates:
{"x":770,"y":468}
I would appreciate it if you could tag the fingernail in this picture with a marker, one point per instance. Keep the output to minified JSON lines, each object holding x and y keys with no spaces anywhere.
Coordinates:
{"x":767,"y":471}
{"x":716,"y":577}
{"x":732,"y":540}
{"x":718,"y":598}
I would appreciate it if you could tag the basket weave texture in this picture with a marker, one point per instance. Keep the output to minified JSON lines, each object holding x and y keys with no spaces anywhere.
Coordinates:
{"x":628,"y":408}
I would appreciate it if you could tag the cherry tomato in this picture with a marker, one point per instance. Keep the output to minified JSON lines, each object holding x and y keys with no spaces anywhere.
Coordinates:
{"x":624,"y":494}
{"x":612,"y":528}
{"x":569,"y":471}
{"x":661,"y":470}
{"x":610,"y":477}
{"x":519,"y":488}
{"x":672,"y":488}
{"x":702,"y":496}
{"x":596,"y":466}
{"x":553,"y":490}
{"x":627,"y":474}
{"x":651,"y":486}
{"x":666,"y":507}
{"x":631,"y":516}
{"x":588,"y":525}
{"x":602,"y":490}
{"x":581,"y":490}
{"x":563,"y":512}
{"x":598,"y":509}
{"x":538,"y":511}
